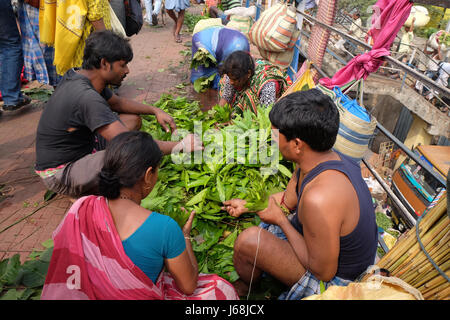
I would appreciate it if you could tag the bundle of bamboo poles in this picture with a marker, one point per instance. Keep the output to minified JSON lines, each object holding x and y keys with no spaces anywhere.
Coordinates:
{"x":407,"y":261}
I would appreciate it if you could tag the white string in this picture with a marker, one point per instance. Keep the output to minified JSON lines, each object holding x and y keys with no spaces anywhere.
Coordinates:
{"x":254,"y":264}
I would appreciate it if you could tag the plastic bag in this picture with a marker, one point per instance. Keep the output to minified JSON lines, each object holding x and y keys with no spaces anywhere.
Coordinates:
{"x":304,"y":82}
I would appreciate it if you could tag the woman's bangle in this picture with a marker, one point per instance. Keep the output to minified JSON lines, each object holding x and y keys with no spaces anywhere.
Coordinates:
{"x":188,"y":238}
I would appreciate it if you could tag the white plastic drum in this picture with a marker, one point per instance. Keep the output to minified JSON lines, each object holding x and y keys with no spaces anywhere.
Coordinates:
{"x":421,"y":14}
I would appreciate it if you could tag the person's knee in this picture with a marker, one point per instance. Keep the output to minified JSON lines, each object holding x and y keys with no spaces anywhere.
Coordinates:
{"x":131,"y":121}
{"x":247,"y":241}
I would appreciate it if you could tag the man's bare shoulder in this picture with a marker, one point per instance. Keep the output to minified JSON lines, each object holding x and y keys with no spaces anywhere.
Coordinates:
{"x":331,"y":189}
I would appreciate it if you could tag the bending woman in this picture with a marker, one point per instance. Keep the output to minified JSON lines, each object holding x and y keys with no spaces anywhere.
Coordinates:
{"x":247,"y":83}
{"x":109,"y":247}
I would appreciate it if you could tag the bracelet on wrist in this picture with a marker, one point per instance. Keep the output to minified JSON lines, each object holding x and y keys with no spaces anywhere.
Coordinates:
{"x":284,"y":203}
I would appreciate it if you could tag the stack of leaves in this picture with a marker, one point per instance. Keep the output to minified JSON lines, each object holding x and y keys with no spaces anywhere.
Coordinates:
{"x":409,"y":262}
{"x":24,"y":281}
{"x":203,"y":58}
{"x":203,"y":83}
{"x":201,"y":183}
{"x":190,"y":20}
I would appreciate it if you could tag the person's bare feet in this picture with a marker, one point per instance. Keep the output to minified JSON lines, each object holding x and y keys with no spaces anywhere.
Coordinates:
{"x":241,"y":287}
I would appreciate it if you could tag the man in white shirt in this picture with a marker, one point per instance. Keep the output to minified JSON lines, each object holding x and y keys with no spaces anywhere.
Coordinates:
{"x":356,"y":27}
{"x":405,"y":43}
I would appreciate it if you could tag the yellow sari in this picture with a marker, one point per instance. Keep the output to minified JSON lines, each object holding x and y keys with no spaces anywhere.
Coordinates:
{"x":66,"y":24}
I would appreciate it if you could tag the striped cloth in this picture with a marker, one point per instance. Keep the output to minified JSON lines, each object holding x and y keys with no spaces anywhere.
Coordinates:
{"x":308,"y":283}
{"x":319,"y":36}
{"x":230,"y":4}
{"x":38,"y":58}
{"x":89,"y":263}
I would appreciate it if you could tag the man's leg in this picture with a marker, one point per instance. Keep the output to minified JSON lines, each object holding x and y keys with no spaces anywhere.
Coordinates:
{"x":173,"y":16}
{"x":79,"y":178}
{"x":155,"y":12}
{"x":148,"y":11}
{"x":180,"y":21}
{"x":11,"y":59}
{"x":275,"y":256}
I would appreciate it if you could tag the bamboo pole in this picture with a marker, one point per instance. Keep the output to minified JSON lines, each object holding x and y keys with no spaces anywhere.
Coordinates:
{"x":425,"y":273}
{"x":433,"y":249}
{"x":407,"y":261}
{"x":428,"y":240}
{"x":406,"y":243}
{"x":432,"y":285}
{"x":442,"y":293}
{"x":429,"y":275}
{"x":437,"y":256}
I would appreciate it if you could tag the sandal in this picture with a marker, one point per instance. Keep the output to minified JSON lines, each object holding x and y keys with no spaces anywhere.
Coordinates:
{"x":178,"y":39}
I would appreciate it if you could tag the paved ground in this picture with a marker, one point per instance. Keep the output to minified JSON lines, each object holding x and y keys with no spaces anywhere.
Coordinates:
{"x":25,"y":219}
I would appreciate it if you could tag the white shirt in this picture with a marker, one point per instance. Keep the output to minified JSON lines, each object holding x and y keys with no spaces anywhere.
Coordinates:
{"x":355,"y":28}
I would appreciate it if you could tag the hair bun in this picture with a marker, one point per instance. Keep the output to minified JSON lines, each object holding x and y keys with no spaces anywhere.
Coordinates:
{"x":109,"y":184}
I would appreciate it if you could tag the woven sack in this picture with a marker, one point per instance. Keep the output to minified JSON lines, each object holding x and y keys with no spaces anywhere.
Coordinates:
{"x":354,"y":133}
{"x":275,"y":30}
{"x":280,"y":59}
{"x":242,"y":24}
{"x":206,"y":23}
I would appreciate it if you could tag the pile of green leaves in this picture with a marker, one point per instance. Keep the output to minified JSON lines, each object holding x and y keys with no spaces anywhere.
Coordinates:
{"x":25,"y":281}
{"x":190,"y":20}
{"x":40,"y":94}
{"x":204,"y":185}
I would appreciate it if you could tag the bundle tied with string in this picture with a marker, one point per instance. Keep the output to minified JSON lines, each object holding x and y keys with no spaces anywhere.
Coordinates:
{"x":422,"y":257}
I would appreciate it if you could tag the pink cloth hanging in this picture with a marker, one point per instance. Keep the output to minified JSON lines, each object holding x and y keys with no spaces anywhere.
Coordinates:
{"x":387,"y":19}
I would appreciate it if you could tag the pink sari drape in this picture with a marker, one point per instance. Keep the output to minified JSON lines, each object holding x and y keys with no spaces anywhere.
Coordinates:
{"x":387,"y":19}
{"x":89,"y":263}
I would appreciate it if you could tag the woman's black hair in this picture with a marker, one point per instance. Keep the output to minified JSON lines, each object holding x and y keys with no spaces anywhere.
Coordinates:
{"x":237,"y":65}
{"x":108,"y":45}
{"x":310,"y":116}
{"x":127,"y":157}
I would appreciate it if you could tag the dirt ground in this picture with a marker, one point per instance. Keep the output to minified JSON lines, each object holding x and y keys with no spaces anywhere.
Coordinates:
{"x":26,"y":220}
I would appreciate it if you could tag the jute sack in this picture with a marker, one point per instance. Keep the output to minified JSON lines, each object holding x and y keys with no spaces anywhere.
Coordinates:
{"x":354,"y":133}
{"x":275,"y":30}
{"x":206,"y":23}
{"x":376,"y":287}
{"x":242,"y":24}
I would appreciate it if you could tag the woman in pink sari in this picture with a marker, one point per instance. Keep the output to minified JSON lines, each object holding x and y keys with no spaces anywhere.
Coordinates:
{"x":109,"y":247}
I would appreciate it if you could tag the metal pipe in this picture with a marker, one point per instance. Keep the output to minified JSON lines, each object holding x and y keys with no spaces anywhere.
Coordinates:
{"x":390,"y":193}
{"x":411,"y":154}
{"x":394,"y":61}
{"x":383,"y":130}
